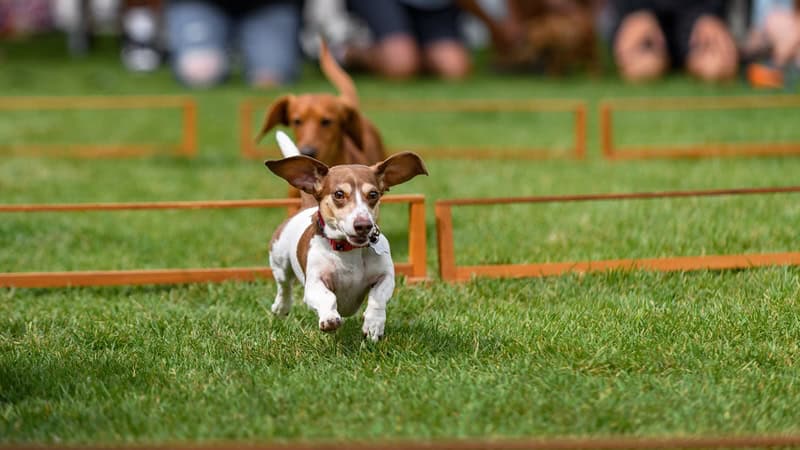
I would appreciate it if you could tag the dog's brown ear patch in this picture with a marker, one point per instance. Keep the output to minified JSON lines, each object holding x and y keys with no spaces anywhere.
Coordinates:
{"x":351,"y":124}
{"x":302,"y":172}
{"x":278,"y":114}
{"x":399,"y":168}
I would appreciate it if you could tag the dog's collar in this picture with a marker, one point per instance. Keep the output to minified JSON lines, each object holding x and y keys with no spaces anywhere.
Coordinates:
{"x":343,"y":245}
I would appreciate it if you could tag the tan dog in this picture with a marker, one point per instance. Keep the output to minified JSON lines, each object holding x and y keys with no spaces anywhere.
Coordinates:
{"x":328,"y":128}
{"x":335,"y":248}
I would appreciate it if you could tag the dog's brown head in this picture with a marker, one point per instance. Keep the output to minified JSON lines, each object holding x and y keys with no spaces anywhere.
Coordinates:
{"x":321,"y":123}
{"x":348,"y":195}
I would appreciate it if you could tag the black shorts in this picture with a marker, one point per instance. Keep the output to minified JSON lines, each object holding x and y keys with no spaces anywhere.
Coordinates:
{"x":387,"y":17}
{"x":676,"y":19}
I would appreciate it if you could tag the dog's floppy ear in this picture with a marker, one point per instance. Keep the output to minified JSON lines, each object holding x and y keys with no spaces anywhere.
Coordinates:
{"x":399,"y":168}
{"x":302,"y":172}
{"x":351,"y":124}
{"x":278,"y":114}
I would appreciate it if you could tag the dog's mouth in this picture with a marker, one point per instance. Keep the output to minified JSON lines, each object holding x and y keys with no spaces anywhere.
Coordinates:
{"x":357,"y":240}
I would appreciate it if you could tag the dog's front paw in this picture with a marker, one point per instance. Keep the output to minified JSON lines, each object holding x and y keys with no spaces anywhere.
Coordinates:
{"x":281,"y":309}
{"x":373,"y":328}
{"x":331,"y":323}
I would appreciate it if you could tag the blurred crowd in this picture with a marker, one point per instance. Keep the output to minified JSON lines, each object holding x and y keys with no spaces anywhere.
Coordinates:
{"x":205,"y":41}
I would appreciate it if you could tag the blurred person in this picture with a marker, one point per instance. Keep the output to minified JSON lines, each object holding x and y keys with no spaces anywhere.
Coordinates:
{"x":654,"y":35}
{"x":775,"y":34}
{"x":410,"y":36}
{"x":200,"y":34}
{"x":24,"y":17}
{"x":142,"y":49}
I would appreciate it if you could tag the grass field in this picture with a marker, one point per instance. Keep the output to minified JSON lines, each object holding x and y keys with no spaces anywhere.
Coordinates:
{"x":620,"y":353}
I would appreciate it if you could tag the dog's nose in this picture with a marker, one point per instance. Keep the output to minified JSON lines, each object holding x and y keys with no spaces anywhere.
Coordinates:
{"x":362,"y":225}
{"x":309,"y":151}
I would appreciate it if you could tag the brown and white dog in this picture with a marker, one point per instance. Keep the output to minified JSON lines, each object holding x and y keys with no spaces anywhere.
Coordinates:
{"x":326,"y":127}
{"x":335,"y":249}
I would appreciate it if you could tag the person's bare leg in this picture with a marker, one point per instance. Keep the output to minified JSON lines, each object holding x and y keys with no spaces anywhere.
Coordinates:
{"x":712,"y":51}
{"x":782,"y":29}
{"x":640,"y":49}
{"x":447,"y":59}
{"x":395,"y":56}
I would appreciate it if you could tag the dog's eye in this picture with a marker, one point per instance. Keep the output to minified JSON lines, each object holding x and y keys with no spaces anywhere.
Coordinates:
{"x":297,"y":122}
{"x":338,"y":195}
{"x":373,"y":195}
{"x":325,"y":122}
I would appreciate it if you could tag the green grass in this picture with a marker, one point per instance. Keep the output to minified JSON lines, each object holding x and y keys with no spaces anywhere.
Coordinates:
{"x":620,"y":353}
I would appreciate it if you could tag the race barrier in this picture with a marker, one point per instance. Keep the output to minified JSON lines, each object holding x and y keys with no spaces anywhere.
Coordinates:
{"x":451,"y":272}
{"x":187,"y":147}
{"x":249,"y":148}
{"x":415,"y":269}
{"x":587,"y":443}
{"x":612,"y":151}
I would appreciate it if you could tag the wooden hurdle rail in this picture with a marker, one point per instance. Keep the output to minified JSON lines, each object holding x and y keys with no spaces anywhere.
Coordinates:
{"x":613,"y":152}
{"x":588,"y":443}
{"x":187,"y":147}
{"x":415,"y":269}
{"x":578,"y":109}
{"x":449,"y":271}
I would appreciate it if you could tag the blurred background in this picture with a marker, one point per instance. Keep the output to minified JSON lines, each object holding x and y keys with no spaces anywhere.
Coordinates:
{"x":203,"y":42}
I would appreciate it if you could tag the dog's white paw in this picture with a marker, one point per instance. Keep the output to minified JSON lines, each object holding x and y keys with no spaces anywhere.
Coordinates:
{"x":373,"y":328}
{"x":281,"y":309}
{"x":330,"y":323}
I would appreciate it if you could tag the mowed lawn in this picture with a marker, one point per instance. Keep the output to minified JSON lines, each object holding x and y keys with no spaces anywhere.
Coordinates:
{"x":619,"y":353}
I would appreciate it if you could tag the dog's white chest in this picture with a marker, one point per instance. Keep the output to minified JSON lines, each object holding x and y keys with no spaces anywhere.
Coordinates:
{"x":349,"y":275}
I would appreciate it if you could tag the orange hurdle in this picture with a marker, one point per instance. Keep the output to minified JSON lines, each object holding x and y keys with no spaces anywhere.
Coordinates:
{"x":449,"y":271}
{"x":187,"y":147}
{"x":415,"y":269}
{"x":250,"y":150}
{"x":673,"y":442}
{"x":610,"y":151}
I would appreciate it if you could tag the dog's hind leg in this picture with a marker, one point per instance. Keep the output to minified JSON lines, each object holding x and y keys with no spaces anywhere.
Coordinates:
{"x":283,"y":275}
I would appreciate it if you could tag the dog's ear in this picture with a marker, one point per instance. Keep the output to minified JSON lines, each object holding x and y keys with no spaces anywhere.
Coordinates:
{"x":351,"y":124}
{"x":399,"y":168}
{"x":302,"y":172}
{"x":278,"y":114}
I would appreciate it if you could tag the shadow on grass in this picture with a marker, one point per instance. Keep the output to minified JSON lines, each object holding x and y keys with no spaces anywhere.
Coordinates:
{"x":58,"y":376}
{"x":418,"y":338}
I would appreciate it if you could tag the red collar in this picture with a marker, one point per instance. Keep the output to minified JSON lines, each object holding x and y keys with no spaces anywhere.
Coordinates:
{"x":338,"y":245}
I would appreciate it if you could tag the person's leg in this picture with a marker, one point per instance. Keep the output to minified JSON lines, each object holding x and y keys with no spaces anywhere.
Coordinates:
{"x":395,"y":53}
{"x":447,"y":59}
{"x":640,"y":49}
{"x":711,"y":54}
{"x":444,"y":53}
{"x":267,"y":38}
{"x":198,"y":34}
{"x":782,"y":30}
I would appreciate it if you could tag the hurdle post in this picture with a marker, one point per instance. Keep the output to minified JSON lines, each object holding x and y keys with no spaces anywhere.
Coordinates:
{"x":188,"y":146}
{"x":580,"y":131}
{"x":606,"y":137}
{"x":246,"y":143}
{"x":444,"y":242}
{"x":417,"y":245}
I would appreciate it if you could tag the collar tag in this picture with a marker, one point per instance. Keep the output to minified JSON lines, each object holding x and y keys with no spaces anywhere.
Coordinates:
{"x":381,"y":246}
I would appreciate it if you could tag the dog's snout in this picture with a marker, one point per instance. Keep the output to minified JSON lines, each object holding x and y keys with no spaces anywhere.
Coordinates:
{"x":362,"y":225}
{"x":309,"y":151}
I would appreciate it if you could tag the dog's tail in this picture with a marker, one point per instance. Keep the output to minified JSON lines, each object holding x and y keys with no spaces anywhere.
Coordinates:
{"x":286,"y":144}
{"x":334,"y":72}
